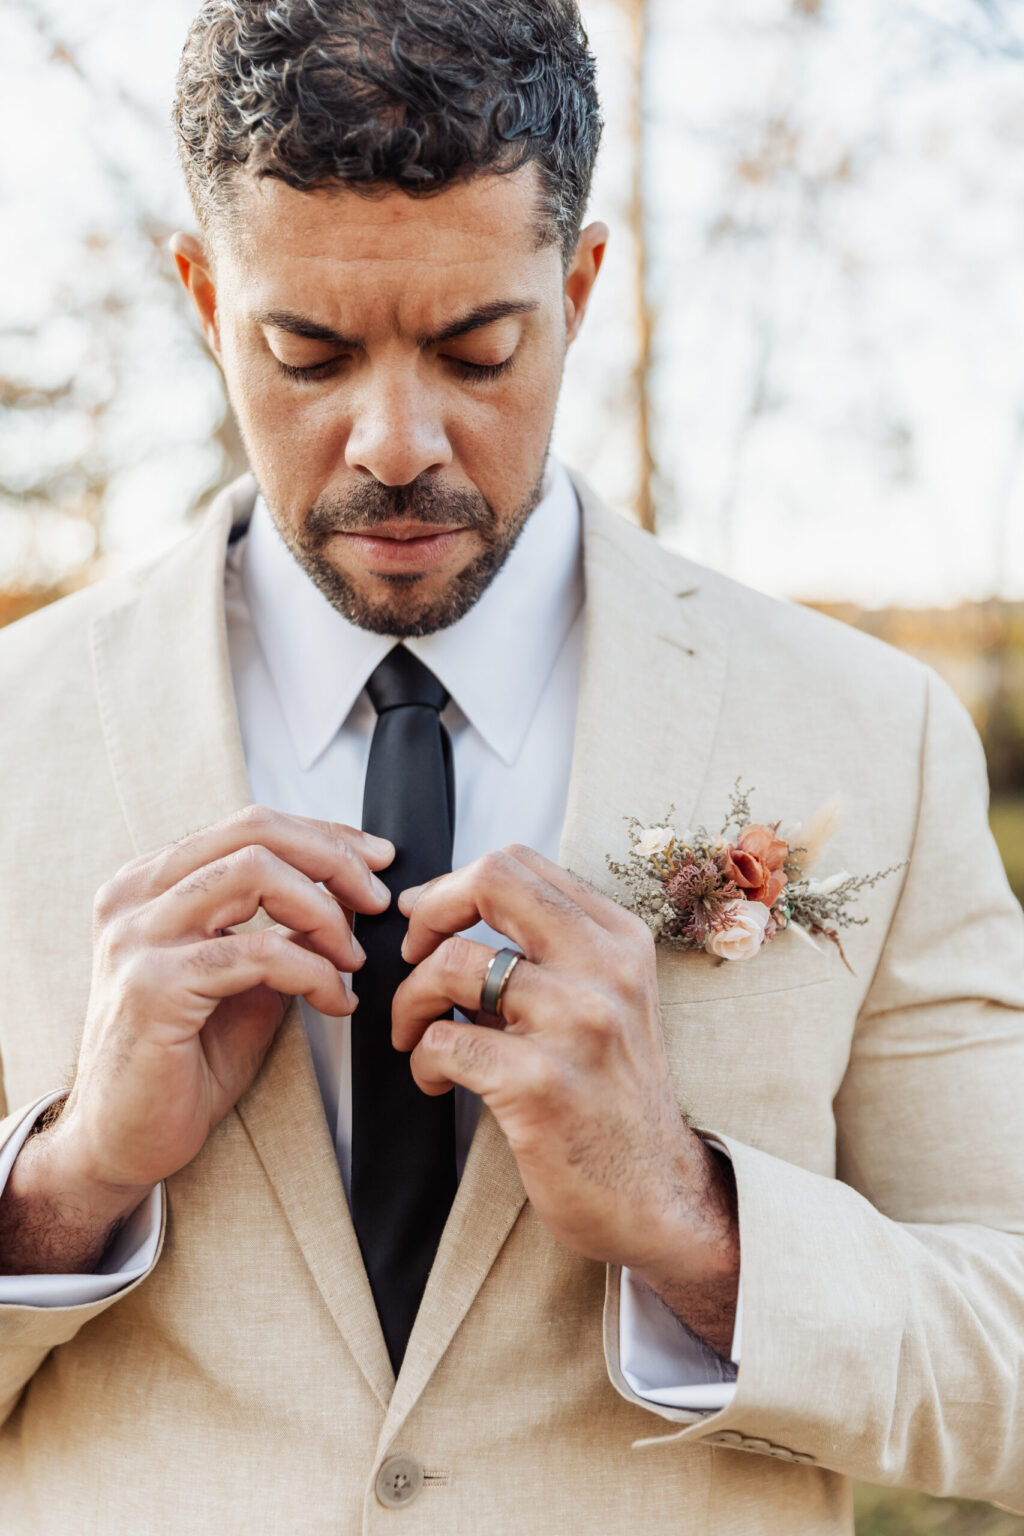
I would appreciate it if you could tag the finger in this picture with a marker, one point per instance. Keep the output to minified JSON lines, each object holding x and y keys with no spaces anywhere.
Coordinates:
{"x":453,"y":977}
{"x":226,"y":966}
{"x":505,"y":894}
{"x":231,"y":890}
{"x":408,"y":898}
{"x":342,"y":858}
{"x":604,"y":911}
{"x":483,"y":1060}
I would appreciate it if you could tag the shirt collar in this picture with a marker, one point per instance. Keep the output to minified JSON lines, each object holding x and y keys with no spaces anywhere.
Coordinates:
{"x":494,"y":662}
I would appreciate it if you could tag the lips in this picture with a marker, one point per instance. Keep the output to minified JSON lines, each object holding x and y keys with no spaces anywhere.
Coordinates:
{"x":407,"y":548}
{"x":405,"y":532}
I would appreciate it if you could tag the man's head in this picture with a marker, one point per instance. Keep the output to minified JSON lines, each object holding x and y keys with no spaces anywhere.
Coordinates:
{"x":390,"y":195}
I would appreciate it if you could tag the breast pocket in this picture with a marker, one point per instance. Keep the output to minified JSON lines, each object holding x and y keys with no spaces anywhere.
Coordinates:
{"x":757,"y":1048}
{"x":787,"y":963}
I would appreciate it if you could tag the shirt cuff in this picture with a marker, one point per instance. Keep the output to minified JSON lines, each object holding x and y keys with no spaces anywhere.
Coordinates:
{"x":125,"y":1260}
{"x":662,"y":1361}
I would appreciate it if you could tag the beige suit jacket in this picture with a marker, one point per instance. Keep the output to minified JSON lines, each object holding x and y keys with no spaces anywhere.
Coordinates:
{"x":874,"y":1118}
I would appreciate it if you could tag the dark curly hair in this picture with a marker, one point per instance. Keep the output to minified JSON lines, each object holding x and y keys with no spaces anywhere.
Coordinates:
{"x":415,"y":94}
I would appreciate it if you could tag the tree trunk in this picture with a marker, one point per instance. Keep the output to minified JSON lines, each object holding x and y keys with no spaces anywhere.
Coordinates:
{"x":645,"y":505}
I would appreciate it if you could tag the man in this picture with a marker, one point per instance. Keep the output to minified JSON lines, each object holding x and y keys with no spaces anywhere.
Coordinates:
{"x":264,"y":1272}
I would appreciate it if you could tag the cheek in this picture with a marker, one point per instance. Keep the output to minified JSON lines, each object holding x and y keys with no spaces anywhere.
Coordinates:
{"x":511,"y":424}
{"x":288,"y":433}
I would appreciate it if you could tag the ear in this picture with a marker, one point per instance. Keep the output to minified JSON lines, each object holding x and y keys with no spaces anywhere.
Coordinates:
{"x":196,"y":272}
{"x":582,"y":275}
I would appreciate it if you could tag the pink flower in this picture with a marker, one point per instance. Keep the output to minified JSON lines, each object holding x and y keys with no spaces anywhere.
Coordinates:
{"x":742,"y":932}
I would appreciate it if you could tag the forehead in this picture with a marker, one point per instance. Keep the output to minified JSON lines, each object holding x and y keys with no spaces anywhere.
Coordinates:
{"x":336,"y":247}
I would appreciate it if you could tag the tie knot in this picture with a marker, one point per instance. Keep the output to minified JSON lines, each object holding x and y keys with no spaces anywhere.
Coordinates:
{"x":401,"y":679}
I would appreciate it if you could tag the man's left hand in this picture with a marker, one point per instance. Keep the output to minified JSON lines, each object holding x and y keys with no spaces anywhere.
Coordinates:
{"x":575,"y":1073}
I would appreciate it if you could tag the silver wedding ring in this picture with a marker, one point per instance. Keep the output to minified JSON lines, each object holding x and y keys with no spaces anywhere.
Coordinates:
{"x":496,"y":980}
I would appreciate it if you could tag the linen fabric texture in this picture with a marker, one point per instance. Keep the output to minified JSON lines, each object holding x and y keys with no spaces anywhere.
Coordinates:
{"x":872,"y":1116}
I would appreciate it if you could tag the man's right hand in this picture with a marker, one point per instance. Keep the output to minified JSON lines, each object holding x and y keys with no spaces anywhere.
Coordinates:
{"x":182,"y":1012}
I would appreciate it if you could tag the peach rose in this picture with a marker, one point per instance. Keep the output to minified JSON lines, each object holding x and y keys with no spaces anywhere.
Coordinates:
{"x":754,"y":863}
{"x":747,"y":923}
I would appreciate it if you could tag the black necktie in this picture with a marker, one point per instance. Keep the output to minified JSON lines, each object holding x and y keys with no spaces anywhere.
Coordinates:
{"x":403,"y":1143}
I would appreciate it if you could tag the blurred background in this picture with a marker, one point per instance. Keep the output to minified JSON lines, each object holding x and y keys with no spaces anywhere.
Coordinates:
{"x":804,"y":365}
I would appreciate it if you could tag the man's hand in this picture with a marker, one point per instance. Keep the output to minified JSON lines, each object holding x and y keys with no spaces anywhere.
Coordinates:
{"x":182,"y":1012}
{"x":577,"y":1075}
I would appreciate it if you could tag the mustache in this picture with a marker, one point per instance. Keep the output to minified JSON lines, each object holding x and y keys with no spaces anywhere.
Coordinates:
{"x":421,"y":501}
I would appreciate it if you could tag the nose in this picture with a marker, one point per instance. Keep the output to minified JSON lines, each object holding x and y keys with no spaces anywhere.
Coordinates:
{"x":397,"y":431}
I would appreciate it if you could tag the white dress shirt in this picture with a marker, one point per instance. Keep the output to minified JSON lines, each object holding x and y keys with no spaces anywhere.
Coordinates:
{"x":512,"y":668}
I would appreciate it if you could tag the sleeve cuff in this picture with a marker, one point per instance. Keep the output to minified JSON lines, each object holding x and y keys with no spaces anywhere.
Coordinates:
{"x":132,"y":1252}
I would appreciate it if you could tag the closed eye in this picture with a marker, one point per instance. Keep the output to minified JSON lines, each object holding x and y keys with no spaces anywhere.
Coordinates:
{"x":313,"y":372}
{"x":481,"y":373}
{"x":473,"y":373}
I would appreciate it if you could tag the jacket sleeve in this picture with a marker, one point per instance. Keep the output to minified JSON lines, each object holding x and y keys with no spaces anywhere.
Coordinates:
{"x":884,"y":1310}
{"x":39,"y":1312}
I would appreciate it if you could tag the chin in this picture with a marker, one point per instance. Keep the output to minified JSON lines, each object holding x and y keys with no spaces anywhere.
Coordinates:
{"x":411,"y":604}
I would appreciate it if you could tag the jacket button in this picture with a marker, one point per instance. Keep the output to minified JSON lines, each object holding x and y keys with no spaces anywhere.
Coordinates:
{"x":399,"y":1481}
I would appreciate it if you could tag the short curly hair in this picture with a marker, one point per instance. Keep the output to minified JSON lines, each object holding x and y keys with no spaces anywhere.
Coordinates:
{"x":377,"y":94}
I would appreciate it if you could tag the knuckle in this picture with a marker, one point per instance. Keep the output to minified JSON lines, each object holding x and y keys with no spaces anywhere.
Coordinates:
{"x":629,"y":970}
{"x":454,"y":955}
{"x":545,"y":1082}
{"x":118,"y":935}
{"x":106,"y":900}
{"x":143,"y":975}
{"x":493,"y":866}
{"x":320,"y":963}
{"x":335,"y":829}
{"x":253,"y":861}
{"x":602,"y":1020}
{"x":341,"y":845}
{"x":642,"y":937}
{"x":473,"y":1048}
{"x":518,"y":851}
{"x":264,"y":945}
{"x":255,"y":818}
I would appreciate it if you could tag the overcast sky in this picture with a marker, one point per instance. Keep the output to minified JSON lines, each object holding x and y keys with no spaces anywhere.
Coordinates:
{"x":836,"y":231}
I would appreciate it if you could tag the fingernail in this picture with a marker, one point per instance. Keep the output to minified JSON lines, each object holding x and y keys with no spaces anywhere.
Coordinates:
{"x":349,"y":992}
{"x":380,"y":844}
{"x":357,"y":949}
{"x":411,"y":894}
{"x":379,"y":888}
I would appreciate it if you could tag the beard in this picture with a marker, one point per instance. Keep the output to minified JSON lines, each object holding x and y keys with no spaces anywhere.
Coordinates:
{"x":428,"y":501}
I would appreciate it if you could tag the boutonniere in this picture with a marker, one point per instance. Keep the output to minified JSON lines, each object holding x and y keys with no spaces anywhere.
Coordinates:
{"x":732,"y":892}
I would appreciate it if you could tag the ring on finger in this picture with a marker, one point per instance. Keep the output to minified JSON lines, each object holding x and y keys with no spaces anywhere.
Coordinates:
{"x":498,"y":972}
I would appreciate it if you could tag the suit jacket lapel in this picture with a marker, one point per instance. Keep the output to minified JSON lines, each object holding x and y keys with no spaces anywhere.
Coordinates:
{"x":651,"y":688}
{"x":164,"y":681}
{"x":654,"y":667}
{"x":284,"y":1117}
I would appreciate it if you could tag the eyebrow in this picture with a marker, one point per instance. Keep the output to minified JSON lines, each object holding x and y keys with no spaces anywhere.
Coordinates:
{"x":312,"y":330}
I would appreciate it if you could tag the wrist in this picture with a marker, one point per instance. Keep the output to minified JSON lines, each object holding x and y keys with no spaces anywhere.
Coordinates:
{"x":693,"y":1264}
{"x":55,"y":1169}
{"x":54,"y":1219}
